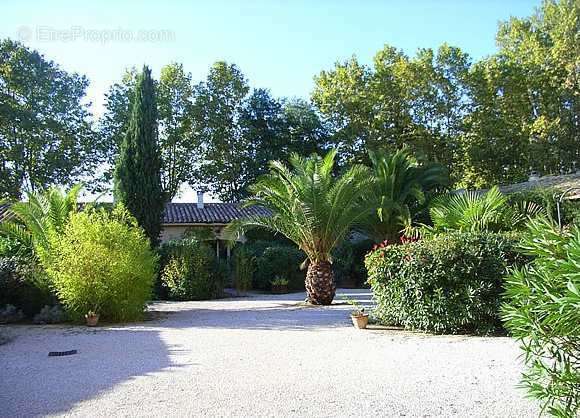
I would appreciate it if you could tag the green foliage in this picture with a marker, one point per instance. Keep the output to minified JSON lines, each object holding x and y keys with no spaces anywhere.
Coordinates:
{"x":474,"y":212}
{"x":244,"y":268}
{"x":102,"y":262}
{"x":138,"y":168}
{"x":489,"y":121}
{"x":273,"y":259}
{"x":174,"y":102}
{"x":33,"y":220}
{"x":19,"y":285}
{"x":241,"y":130}
{"x":45,"y":134}
{"x":398,"y":191}
{"x":308,"y":204}
{"x":279,"y":281}
{"x":451,"y":283}
{"x":348,"y":262}
{"x":190,"y":270}
{"x":545,"y":197}
{"x":542,"y":310}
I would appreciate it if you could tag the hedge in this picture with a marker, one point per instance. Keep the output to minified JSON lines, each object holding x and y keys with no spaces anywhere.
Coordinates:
{"x":450,"y":283}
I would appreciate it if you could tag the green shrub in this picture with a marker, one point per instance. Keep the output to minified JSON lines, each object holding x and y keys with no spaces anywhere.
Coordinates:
{"x":449,"y":283}
{"x":190,"y":270}
{"x":275,"y":259}
{"x":24,"y":285}
{"x":102,"y":262}
{"x":542,"y":310}
{"x":244,"y":268}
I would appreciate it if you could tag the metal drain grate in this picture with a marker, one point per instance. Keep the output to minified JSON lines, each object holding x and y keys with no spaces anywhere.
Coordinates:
{"x":61,"y":353}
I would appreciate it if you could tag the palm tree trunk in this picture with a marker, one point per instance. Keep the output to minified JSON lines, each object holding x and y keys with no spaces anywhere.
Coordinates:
{"x":320,"y":286}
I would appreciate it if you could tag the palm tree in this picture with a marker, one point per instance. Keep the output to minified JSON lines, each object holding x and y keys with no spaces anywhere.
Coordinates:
{"x":397,"y":192}
{"x":311,"y":207}
{"x":480,"y":212}
{"x":33,"y":219}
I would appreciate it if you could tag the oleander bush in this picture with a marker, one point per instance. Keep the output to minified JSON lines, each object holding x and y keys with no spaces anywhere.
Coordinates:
{"x":102,"y":262}
{"x":448,"y":283}
{"x":542,"y":310}
{"x":190,"y":270}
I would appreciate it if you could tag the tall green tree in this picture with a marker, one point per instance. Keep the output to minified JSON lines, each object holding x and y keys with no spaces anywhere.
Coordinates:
{"x":46,"y":136}
{"x":217,"y":110}
{"x":419,"y":102}
{"x":178,"y":147}
{"x":526,"y":99}
{"x":138,"y":168}
{"x":313,"y":208}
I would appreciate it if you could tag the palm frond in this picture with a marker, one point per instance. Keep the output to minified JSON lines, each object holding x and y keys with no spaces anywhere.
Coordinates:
{"x":308,"y":204}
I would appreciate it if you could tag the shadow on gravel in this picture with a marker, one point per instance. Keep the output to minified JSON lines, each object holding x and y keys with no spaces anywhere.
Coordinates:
{"x":33,"y":384}
{"x":280,"y":313}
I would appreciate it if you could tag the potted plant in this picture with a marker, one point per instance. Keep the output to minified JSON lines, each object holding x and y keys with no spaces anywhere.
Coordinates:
{"x":359,"y":317}
{"x":92,"y":318}
{"x":279,"y":285}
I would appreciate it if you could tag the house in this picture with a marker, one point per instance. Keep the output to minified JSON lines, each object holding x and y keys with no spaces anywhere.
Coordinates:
{"x":180,"y":218}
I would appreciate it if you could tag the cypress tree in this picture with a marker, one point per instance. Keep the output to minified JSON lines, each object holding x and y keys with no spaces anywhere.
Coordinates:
{"x":137,"y":182}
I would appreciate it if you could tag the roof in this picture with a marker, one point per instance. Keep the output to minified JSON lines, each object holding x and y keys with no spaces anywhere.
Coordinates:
{"x":561,"y":183}
{"x":189,"y":213}
{"x":211,"y":213}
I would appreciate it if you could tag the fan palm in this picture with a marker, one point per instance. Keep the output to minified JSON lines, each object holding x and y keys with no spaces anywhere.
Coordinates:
{"x":311,"y":207}
{"x":476,"y":212}
{"x":33,"y":219}
{"x":397,"y":192}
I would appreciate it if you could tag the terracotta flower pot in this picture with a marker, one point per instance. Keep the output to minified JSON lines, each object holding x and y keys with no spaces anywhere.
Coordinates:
{"x":92,"y":320}
{"x":360,"y":321}
{"x":279,"y":288}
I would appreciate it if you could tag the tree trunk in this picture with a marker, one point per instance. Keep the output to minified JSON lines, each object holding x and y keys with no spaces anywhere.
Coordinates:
{"x":320,"y":286}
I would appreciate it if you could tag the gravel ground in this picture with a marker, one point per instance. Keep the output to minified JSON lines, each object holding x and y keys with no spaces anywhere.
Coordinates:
{"x":261,"y":355}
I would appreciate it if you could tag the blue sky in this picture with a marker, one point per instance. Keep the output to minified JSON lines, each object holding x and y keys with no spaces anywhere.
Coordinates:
{"x":278,"y":45}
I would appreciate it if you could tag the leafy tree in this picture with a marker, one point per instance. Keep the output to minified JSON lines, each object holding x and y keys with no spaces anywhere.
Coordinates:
{"x":176,"y":143}
{"x":398,"y":191}
{"x":312,"y":208}
{"x":304,"y":131}
{"x":114,"y":123}
{"x":138,"y":169}
{"x":419,"y":102}
{"x":216,"y":125}
{"x":45,"y":134}
{"x":178,"y":147}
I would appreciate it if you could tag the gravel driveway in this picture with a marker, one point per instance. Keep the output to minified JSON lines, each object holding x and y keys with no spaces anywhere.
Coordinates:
{"x":261,"y":355}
